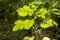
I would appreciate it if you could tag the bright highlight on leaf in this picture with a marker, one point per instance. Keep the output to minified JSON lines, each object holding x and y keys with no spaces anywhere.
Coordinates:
{"x":48,"y":23}
{"x":28,"y":24}
{"x":34,"y":7}
{"x":20,"y":24}
{"x":22,"y":12}
{"x":55,"y":23}
{"x":26,"y":10}
{"x":42,"y":12}
{"x":55,"y":11}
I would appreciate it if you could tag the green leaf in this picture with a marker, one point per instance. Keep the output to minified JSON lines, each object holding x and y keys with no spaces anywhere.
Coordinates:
{"x":55,"y":11}
{"x":41,"y":13}
{"x":34,"y":7}
{"x":47,"y":24}
{"x":44,"y":26}
{"x":26,"y":10}
{"x":55,"y":23}
{"x":18,"y":25}
{"x":28,"y":24}
{"x":22,"y":12}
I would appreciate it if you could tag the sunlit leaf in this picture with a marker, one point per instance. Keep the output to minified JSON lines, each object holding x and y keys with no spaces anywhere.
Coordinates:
{"x":47,"y":24}
{"x":34,"y":7}
{"x":55,"y":11}
{"x":28,"y":24}
{"x":55,"y":23}
{"x":25,"y":7}
{"x":42,"y":16}
{"x":22,"y":12}
{"x":26,"y":10}
{"x":44,"y":26}
{"x":18,"y":25}
{"x":41,"y":13}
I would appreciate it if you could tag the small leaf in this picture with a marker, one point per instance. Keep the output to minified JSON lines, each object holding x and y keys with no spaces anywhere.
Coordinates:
{"x":41,"y":13}
{"x":44,"y":26}
{"x":47,"y":24}
{"x":18,"y":25}
{"x":55,"y":23}
{"x":28,"y":24}
{"x":55,"y":11}
{"x":25,"y":7}
{"x":22,"y":12}
{"x":15,"y":28}
{"x":34,"y":7}
{"x":42,"y":16}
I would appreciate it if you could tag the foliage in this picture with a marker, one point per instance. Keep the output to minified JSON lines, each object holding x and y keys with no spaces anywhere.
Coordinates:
{"x":35,"y":10}
{"x":45,"y":15}
{"x":20,"y":24}
{"x":48,"y":23}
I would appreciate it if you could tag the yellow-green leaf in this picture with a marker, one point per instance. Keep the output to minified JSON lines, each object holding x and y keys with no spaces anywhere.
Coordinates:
{"x":28,"y":24}
{"x":15,"y":28}
{"x":43,"y":11}
{"x":18,"y":25}
{"x":48,"y":23}
{"x":55,"y":23}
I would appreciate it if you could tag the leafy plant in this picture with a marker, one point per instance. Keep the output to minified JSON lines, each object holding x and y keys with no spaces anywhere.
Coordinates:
{"x":36,"y":11}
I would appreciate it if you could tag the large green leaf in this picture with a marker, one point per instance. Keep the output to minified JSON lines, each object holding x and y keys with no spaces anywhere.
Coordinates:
{"x":28,"y":24}
{"x":22,"y":12}
{"x":20,"y":24}
{"x":48,"y":23}
{"x":26,"y":10}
